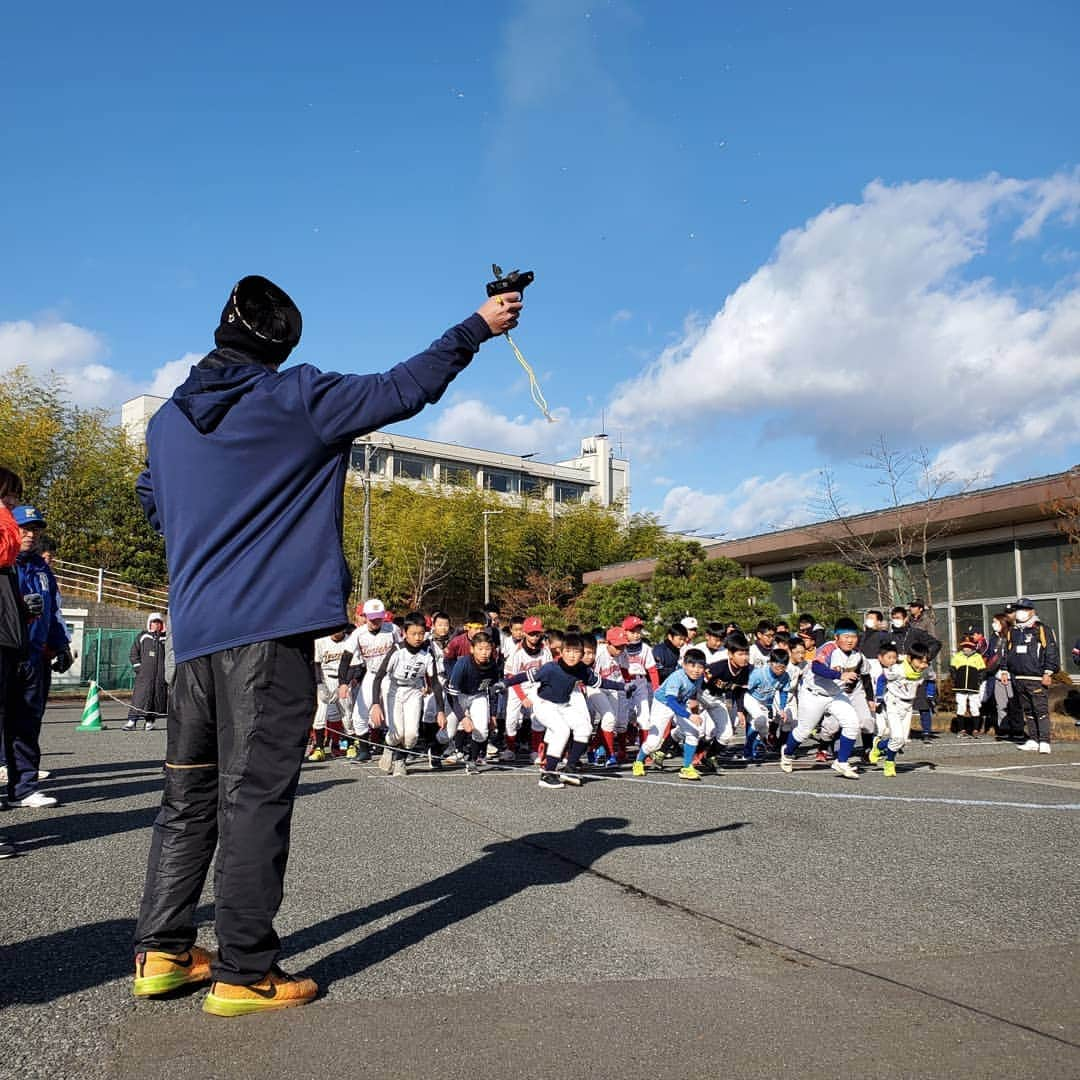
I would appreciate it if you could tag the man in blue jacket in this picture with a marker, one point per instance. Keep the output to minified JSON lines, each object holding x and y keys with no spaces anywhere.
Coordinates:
{"x":246,"y":470}
{"x":48,"y":641}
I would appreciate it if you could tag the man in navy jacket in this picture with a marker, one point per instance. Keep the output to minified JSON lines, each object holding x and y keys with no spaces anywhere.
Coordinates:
{"x":246,"y":470}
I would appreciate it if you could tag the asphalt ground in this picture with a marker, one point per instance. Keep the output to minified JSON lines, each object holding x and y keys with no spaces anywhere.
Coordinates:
{"x":754,"y":924}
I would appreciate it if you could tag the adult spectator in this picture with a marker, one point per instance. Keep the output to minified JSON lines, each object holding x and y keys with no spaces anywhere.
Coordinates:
{"x":150,"y":695}
{"x":12,"y":626}
{"x":47,"y":639}
{"x":875,"y":631}
{"x":246,"y":467}
{"x":904,"y":632}
{"x":1032,"y":659}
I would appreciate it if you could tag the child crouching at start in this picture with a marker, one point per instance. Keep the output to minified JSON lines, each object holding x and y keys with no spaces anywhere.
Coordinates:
{"x":676,"y":704}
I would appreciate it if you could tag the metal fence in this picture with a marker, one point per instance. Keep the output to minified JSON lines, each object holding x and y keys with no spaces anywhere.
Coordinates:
{"x":104,"y":586}
{"x":106,"y":657}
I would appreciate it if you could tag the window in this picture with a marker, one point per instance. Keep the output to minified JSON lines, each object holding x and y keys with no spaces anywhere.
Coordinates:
{"x":507,"y":483}
{"x":984,"y":572}
{"x":408,"y":467}
{"x":781,"y":590}
{"x":458,"y":473}
{"x":910,"y":580}
{"x":568,"y":493}
{"x":377,"y":459}
{"x":532,"y":486}
{"x":1044,"y":566}
{"x":968,"y":615}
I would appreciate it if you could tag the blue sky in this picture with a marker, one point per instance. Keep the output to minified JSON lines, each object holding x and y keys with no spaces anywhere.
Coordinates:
{"x":764,"y":235}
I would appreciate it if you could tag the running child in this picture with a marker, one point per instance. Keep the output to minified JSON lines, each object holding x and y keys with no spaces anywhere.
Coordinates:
{"x":898,"y":685}
{"x":640,"y":672}
{"x":472,"y":681}
{"x":530,"y":654}
{"x":675,"y":703}
{"x":328,"y":652}
{"x":766,"y":704}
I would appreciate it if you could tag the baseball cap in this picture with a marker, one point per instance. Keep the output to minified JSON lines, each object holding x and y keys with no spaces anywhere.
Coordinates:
{"x":916,"y":603}
{"x":689,"y":622}
{"x":27,"y":515}
{"x":1023,"y":603}
{"x":631,"y":622}
{"x":374,"y":609}
{"x":616,"y":636}
{"x":533,"y":625}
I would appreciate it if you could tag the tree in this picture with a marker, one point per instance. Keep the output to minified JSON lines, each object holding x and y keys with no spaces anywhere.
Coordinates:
{"x":1066,"y":512}
{"x":822,"y":591}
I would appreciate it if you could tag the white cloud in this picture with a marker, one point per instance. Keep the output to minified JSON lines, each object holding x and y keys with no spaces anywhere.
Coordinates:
{"x":78,"y":356}
{"x":755,"y":505}
{"x":621,"y":316}
{"x":474,"y":423}
{"x":862,"y":322}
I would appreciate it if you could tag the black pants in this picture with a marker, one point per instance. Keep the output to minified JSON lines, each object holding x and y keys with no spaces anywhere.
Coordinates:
{"x":23,"y":726}
{"x":238,"y":727}
{"x":1035,"y":705}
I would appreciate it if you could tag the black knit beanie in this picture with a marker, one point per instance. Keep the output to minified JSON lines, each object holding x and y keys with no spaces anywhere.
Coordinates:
{"x":261,"y":320}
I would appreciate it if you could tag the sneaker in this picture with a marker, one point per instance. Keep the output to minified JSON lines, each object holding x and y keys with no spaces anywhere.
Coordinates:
{"x":1044,"y":748}
{"x":362,"y":754}
{"x":148,"y":726}
{"x":638,"y":769}
{"x":400,"y":769}
{"x":454,"y":758}
{"x":874,"y":756}
{"x":786,"y":761}
{"x":38,"y":801}
{"x":507,"y":754}
{"x":129,"y":726}
{"x":43,"y":774}
{"x":276,"y":991}
{"x":351,"y":752}
{"x":611,"y":764}
{"x":658,"y":759}
{"x":572,"y":776}
{"x":160,"y":972}
{"x":845,"y":769}
{"x":434,"y":760}
{"x":688,"y":772}
{"x":889,"y":768}
{"x":822,"y":757}
{"x":317,"y":754}
{"x":386,"y":761}
{"x":551,"y":780}
{"x":492,"y":753}
{"x":1031,"y":745}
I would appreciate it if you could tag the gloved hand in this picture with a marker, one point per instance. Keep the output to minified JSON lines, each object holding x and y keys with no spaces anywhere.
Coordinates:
{"x":497,"y":687}
{"x":63,"y":662}
{"x":35,"y":605}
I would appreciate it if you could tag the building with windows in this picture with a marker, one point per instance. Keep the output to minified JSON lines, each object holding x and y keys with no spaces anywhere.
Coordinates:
{"x":595,"y":475}
{"x":990,"y":547}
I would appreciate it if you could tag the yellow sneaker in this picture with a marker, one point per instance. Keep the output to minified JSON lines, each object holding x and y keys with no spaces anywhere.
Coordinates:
{"x":874,"y":756}
{"x":160,"y":972}
{"x":351,"y":752}
{"x":890,"y":768}
{"x":688,"y":772}
{"x":317,"y":755}
{"x":276,"y":991}
{"x":639,"y":768}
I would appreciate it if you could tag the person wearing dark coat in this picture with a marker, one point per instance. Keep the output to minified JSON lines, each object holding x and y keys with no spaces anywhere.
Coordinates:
{"x":150,"y":696}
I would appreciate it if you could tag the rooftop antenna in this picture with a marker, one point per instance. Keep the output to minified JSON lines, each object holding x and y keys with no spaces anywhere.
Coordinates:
{"x":603,"y":423}
{"x":621,"y":454}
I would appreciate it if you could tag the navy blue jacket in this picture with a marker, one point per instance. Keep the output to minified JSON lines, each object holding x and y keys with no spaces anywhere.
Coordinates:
{"x":48,"y":630}
{"x":245,"y":475}
{"x":557,"y":681}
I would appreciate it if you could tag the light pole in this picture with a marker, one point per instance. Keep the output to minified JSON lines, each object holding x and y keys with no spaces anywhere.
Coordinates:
{"x":487,"y":578}
{"x":365,"y":558}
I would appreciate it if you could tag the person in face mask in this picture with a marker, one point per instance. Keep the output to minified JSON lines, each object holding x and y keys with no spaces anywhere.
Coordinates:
{"x":874,"y":632}
{"x":1032,"y":658}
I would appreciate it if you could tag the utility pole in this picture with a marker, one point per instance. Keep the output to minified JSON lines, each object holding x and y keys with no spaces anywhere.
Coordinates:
{"x":365,"y":558}
{"x":487,"y":576}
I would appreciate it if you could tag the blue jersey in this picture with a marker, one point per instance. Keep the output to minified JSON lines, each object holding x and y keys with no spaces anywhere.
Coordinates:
{"x":468,"y":677}
{"x":764,"y":685}
{"x":676,"y":690}
{"x":557,"y":681}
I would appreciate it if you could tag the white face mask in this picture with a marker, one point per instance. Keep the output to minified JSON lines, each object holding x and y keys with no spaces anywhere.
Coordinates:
{"x":870,"y":624}
{"x":1024,"y":616}
{"x":897,"y":623}
{"x":997,"y":628}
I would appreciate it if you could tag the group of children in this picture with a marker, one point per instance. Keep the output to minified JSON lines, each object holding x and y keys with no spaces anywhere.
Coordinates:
{"x":575,"y":700}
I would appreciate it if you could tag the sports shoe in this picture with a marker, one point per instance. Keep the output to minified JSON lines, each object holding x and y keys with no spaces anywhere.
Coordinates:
{"x":318,"y":754}
{"x":149,"y":725}
{"x":38,"y":801}
{"x":786,"y":761}
{"x":889,"y":768}
{"x":276,"y":991}
{"x":43,"y":774}
{"x":638,"y":769}
{"x":506,"y":754}
{"x":822,"y":757}
{"x":572,"y":776}
{"x":386,"y":761}
{"x":434,"y":760}
{"x":658,"y":759}
{"x":551,"y":780}
{"x":874,"y":756}
{"x":492,"y":753}
{"x":400,"y":769}
{"x":129,"y":726}
{"x":1044,"y":748}
{"x":454,"y":758}
{"x":688,"y":772}
{"x":1030,"y":745}
{"x":160,"y":972}
{"x":611,"y":764}
{"x":351,"y":752}
{"x":845,"y":769}
{"x":362,"y":754}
